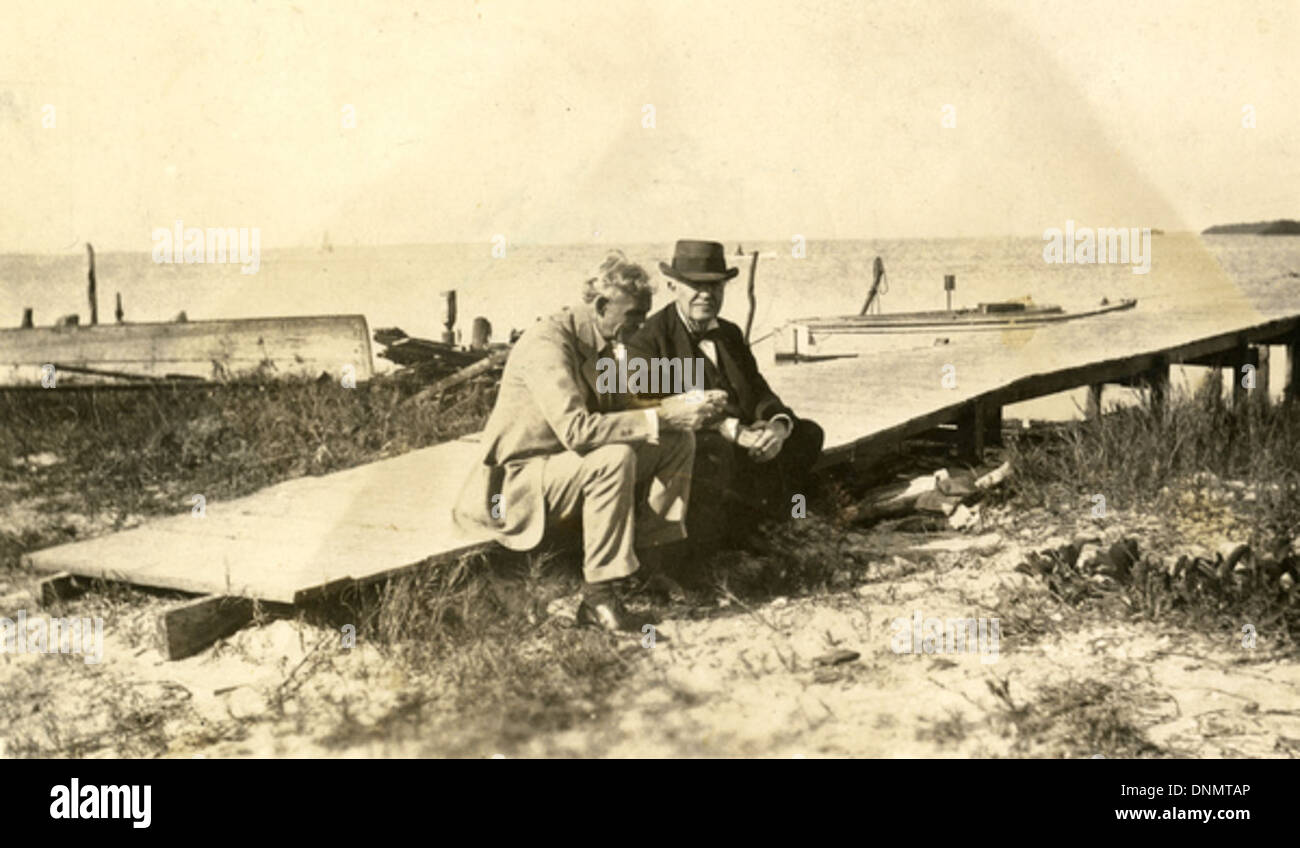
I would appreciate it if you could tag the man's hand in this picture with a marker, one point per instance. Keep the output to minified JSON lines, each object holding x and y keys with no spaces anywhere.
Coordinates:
{"x":693,"y":410}
{"x":763,"y":440}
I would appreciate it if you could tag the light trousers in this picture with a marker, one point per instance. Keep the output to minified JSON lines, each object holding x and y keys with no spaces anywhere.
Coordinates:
{"x":629,"y":496}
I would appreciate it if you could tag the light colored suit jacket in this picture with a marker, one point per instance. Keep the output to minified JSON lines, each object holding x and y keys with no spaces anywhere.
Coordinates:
{"x":547,"y":404}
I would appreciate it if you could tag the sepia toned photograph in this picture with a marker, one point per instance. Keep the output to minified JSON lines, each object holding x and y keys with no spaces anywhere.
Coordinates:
{"x":650,"y":380}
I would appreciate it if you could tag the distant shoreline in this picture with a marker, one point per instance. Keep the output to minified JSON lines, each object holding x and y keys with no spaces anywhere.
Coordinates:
{"x":1279,"y":227}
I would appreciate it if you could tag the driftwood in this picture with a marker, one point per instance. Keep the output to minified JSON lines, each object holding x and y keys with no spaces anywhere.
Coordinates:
{"x":938,"y":492}
{"x":440,"y":364}
{"x":494,"y":360}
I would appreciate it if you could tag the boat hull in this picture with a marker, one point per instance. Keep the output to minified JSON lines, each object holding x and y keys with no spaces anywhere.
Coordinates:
{"x":202,"y":350}
{"x":849,"y":335}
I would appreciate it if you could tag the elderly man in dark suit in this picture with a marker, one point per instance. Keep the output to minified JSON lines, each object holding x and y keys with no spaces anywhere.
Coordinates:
{"x":752,"y":463}
{"x":557,"y":447}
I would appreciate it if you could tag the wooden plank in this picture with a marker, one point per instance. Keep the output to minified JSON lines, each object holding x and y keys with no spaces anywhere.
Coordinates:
{"x":493,"y":360}
{"x":60,"y":587}
{"x":206,"y":349}
{"x":868,"y":405}
{"x":187,"y":628}
{"x":288,"y":540}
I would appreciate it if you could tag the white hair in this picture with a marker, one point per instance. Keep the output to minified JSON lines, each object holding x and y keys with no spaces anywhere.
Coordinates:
{"x":617,"y":274}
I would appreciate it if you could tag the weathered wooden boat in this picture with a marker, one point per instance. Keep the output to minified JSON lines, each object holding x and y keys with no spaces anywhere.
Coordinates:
{"x":222,"y":350}
{"x":848,"y":335}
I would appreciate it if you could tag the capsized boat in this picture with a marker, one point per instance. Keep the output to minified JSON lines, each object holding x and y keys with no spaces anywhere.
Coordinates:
{"x":338,"y":345}
{"x":834,"y":336}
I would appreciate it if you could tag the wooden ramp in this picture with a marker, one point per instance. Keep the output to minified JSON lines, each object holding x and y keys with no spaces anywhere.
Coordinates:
{"x":869,"y":403}
{"x":292,"y":539}
{"x":297,"y":538}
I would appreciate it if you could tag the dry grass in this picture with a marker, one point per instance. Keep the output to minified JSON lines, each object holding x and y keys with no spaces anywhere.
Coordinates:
{"x":483,"y":666}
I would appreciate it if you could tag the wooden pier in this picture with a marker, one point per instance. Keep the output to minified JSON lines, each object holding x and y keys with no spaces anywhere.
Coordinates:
{"x":317,"y":534}
{"x":869,"y":404}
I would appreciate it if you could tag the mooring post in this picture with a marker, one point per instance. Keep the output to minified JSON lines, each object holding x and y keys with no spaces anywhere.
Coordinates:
{"x":94,"y":301}
{"x":27,"y":318}
{"x":449,"y":316}
{"x":480,"y":334}
{"x":1092,"y":410}
{"x":118,"y":313}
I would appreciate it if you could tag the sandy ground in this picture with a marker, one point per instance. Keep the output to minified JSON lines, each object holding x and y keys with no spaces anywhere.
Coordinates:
{"x":726,"y":679}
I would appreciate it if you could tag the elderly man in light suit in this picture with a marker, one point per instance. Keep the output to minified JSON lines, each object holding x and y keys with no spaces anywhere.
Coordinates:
{"x":555,"y":446}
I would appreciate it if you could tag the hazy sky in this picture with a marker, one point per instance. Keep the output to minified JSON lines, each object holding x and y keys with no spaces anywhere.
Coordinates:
{"x":771,"y":119}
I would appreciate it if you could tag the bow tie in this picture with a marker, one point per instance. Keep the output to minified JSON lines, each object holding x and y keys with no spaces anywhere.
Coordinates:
{"x":698,"y":335}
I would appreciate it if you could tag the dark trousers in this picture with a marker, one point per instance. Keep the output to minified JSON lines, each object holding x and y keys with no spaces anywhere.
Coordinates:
{"x":730,"y":493}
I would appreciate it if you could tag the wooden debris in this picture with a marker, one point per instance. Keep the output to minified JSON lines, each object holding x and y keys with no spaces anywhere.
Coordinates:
{"x":941,"y":492}
{"x":837,"y":657}
{"x":496,"y":360}
{"x":426,"y":361}
{"x":186,"y":629}
{"x":984,"y":544}
{"x":61,"y":587}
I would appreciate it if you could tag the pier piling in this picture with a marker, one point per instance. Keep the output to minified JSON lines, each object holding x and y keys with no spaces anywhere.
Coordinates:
{"x":90,"y":289}
{"x":1093,"y":409}
{"x":480,"y":334}
{"x":1292,"y":391}
{"x":449,"y":316}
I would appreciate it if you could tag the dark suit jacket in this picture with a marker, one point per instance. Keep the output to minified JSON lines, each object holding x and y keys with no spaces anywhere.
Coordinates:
{"x":749,"y":397}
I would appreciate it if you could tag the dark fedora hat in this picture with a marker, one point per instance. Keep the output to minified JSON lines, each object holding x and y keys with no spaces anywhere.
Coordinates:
{"x":699,"y":262}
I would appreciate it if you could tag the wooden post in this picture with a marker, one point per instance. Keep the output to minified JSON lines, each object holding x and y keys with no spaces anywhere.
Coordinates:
{"x":118,"y":313}
{"x":877,"y":277}
{"x":1242,"y":357}
{"x":1158,"y":383}
{"x":753,"y":303}
{"x":1261,"y":374}
{"x":949,"y":283}
{"x":1093,"y":409}
{"x":1292,"y":391}
{"x":449,"y":316}
{"x":970,"y":432}
{"x":27,"y":318}
{"x":992,"y":423}
{"x":481,"y":334}
{"x":94,"y":301}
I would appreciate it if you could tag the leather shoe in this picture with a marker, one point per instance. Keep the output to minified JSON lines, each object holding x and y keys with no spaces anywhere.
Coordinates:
{"x":601,"y":608}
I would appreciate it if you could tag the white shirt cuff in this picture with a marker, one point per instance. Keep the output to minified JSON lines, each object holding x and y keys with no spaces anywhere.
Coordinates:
{"x":654,"y":426}
{"x":729,"y":428}
{"x":789,"y":422}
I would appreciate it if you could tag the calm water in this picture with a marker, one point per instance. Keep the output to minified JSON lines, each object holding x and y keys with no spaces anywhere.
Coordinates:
{"x":399,"y":286}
